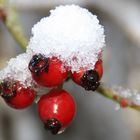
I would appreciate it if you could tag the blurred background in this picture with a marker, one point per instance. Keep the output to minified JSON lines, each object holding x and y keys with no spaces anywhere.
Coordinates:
{"x":97,"y":117}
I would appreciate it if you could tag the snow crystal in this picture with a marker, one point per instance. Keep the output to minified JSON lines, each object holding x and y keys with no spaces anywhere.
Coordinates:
{"x":72,"y":34}
{"x":17,"y":69}
{"x":131,"y":95}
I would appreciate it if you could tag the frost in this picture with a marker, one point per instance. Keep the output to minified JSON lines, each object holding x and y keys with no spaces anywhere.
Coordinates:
{"x":61,"y":131}
{"x":131,"y":95}
{"x":118,"y":107}
{"x":71,"y":33}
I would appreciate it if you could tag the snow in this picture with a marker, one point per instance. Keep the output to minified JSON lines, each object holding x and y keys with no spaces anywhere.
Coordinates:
{"x":17,"y":69}
{"x":131,"y":95}
{"x":71,"y":33}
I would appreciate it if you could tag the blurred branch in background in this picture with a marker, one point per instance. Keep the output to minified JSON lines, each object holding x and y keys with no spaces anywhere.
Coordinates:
{"x":124,"y":102}
{"x":9,"y":17}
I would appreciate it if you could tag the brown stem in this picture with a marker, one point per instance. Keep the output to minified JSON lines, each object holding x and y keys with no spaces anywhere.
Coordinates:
{"x":2,"y":14}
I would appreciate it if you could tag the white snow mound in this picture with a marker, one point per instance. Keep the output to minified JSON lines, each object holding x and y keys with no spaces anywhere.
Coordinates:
{"x":70,"y":33}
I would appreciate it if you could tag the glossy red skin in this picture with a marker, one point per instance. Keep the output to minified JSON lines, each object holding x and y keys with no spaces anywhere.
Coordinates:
{"x":99,"y":68}
{"x":54,"y":76}
{"x":58,"y":104}
{"x":76,"y":76}
{"x":24,"y":97}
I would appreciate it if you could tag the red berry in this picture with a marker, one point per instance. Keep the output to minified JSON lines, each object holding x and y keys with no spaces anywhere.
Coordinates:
{"x":89,"y":79}
{"x":99,"y":68}
{"x":116,"y":97}
{"x":56,"y":109}
{"x":76,"y":76}
{"x":15,"y":95}
{"x":47,"y":71}
{"x":124,"y":102}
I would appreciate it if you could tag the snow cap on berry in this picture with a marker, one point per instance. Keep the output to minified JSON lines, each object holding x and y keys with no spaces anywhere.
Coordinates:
{"x":70,"y":33}
{"x":17,"y":69}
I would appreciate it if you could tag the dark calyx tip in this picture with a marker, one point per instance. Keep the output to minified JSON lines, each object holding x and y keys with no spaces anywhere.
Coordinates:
{"x":53,"y":125}
{"x":38,"y":63}
{"x":90,"y":80}
{"x":8,"y":89}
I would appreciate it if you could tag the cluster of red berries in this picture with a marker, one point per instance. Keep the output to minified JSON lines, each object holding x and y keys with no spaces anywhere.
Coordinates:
{"x":56,"y":108}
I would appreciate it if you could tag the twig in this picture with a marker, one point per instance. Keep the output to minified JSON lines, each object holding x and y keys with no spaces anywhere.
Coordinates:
{"x":124,"y":102}
{"x":9,"y":17}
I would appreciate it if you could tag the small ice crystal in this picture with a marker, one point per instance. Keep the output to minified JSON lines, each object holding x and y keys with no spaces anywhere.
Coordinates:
{"x":117,"y":108}
{"x":71,"y":33}
{"x":61,"y":131}
{"x":131,"y":95}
